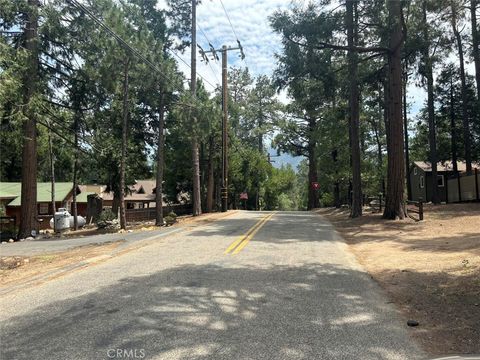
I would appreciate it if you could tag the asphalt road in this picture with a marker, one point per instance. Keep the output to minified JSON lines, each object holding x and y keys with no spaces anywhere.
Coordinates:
{"x":287,"y":288}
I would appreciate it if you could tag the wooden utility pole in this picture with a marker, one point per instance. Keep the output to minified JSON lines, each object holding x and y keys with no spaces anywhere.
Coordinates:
{"x":224,"y":131}
{"x":123,"y":217}
{"x":197,"y":202}
{"x":224,"y":182}
{"x":160,"y":160}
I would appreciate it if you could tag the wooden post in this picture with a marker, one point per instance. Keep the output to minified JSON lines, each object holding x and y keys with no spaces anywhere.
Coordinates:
{"x":446,"y":187}
{"x":224,"y":132}
{"x":420,"y":209}
{"x":476,"y":184}
{"x":459,"y":187}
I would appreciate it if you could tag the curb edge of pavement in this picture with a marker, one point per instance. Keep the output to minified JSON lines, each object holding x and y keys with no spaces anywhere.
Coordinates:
{"x":122,"y":249}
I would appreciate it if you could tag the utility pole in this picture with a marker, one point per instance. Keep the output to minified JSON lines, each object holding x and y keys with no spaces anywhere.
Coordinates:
{"x":197,"y":205}
{"x":224,"y":50}
{"x":224,"y":190}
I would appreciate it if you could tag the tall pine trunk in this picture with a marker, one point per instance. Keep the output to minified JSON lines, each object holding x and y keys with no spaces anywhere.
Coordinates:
{"x":354,"y":118}
{"x":160,"y":163}
{"x":405,"y":132}
{"x":197,"y":200}
{"x":210,"y":174}
{"x":52,"y":177}
{"x":476,"y":45}
{"x":432,"y":136}
{"x":394,"y":202}
{"x":123,"y":217}
{"x":75,"y":172}
{"x":453,"y":131}
{"x":28,"y":214}
{"x":312,"y":167}
{"x":465,"y":120}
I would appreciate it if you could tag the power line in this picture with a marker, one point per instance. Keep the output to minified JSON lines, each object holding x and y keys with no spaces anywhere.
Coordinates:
{"x":186,"y":63}
{"x":208,"y":62}
{"x":233,"y":30}
{"x":228,"y":17}
{"x":171,"y":51}
{"x":119,"y":39}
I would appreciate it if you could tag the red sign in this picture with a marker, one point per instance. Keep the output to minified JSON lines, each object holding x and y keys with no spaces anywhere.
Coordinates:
{"x":315,"y":185}
{"x":243,"y":196}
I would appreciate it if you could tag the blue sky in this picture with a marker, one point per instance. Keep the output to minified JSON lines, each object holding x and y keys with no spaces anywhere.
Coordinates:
{"x":250,"y":23}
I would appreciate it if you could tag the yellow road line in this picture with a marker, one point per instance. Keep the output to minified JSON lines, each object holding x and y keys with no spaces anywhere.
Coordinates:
{"x":249,"y":237}
{"x":243,"y":240}
{"x":240,"y":239}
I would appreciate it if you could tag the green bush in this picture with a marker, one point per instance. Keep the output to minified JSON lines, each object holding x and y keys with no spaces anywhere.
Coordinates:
{"x":106,"y":215}
{"x":327,"y":199}
{"x":170,"y":218}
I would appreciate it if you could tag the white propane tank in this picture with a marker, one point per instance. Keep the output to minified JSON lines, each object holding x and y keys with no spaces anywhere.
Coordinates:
{"x":62,"y":220}
{"x":80,"y":220}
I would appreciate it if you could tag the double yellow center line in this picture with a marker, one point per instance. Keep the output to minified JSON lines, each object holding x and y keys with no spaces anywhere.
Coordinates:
{"x":243,"y":240}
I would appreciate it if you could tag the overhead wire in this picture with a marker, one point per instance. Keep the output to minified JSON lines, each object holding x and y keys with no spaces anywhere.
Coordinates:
{"x":118,"y":38}
{"x":208,"y":62}
{"x":228,"y":18}
{"x":233,"y":29}
{"x":186,"y":63}
{"x":128,"y":47}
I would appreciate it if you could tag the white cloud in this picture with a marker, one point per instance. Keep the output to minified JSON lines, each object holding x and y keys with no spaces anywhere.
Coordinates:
{"x":250,"y":23}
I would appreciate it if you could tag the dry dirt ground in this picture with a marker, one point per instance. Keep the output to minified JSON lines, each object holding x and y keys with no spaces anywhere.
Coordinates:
{"x":18,"y":269}
{"x":429,"y":269}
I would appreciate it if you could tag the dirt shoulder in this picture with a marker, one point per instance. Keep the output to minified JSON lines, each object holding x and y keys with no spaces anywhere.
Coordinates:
{"x":429,"y":269}
{"x":20,"y":270}
{"x":15,"y":270}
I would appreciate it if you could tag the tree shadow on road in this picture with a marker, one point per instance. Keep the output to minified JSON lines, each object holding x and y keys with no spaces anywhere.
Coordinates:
{"x":317,"y":311}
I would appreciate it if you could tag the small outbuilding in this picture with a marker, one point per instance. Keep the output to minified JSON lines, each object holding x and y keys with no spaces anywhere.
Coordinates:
{"x":422,"y":182}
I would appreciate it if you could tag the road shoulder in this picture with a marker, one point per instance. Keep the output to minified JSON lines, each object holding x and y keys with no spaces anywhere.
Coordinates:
{"x":429,"y":270}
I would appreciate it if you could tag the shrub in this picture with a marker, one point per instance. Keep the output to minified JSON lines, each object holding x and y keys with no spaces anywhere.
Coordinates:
{"x":327,"y":199}
{"x":106,"y":215}
{"x":170,"y":218}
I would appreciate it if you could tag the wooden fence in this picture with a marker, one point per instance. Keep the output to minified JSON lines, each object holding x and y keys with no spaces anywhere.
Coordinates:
{"x":147,"y":214}
{"x":415,"y":207}
{"x":8,"y":227}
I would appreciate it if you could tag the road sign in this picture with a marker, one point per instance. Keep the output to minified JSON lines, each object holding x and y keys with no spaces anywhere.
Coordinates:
{"x":243,"y":196}
{"x":315,"y":185}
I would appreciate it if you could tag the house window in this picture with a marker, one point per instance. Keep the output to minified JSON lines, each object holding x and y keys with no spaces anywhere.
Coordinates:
{"x":440,"y":181}
{"x":415,"y":171}
{"x":43,"y":209}
{"x":422,"y":182}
